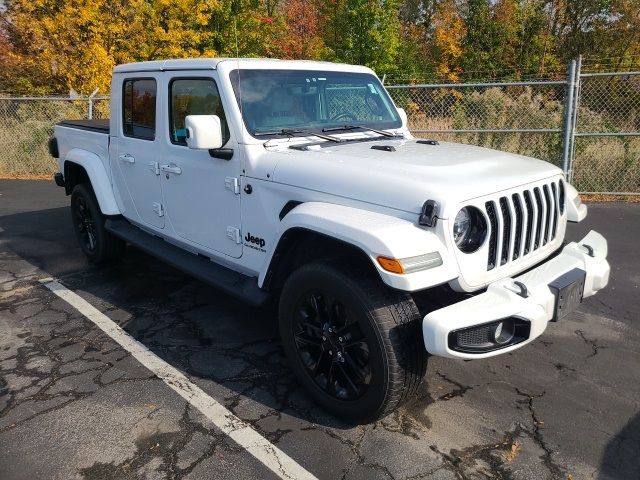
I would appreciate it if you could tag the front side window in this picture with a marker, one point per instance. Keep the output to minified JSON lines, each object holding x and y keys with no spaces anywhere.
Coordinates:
{"x":194,"y":96}
{"x":139,"y":108}
{"x":273,"y":100}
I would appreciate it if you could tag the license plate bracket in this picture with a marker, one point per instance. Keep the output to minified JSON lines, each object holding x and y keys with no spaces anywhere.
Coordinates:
{"x":569,"y":291}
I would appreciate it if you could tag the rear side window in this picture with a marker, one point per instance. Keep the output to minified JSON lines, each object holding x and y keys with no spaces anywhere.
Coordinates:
{"x":139,"y":108}
{"x":194,"y":96}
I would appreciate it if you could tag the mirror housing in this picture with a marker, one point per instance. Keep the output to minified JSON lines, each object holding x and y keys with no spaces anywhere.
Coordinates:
{"x":204,"y":132}
{"x":403,"y":117}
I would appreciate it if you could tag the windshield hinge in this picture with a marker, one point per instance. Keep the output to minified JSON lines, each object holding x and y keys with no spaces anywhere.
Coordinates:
{"x":429,"y":214}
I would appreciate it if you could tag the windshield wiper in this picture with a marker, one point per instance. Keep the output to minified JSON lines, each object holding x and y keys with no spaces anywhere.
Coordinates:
{"x":283,"y":131}
{"x":290,"y":132}
{"x":363,"y":127}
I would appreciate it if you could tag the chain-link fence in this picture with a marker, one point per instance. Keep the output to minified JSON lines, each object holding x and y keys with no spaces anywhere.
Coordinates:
{"x":26,"y":124}
{"x":519,"y":117}
{"x":587,"y":123}
{"x":606,"y":145}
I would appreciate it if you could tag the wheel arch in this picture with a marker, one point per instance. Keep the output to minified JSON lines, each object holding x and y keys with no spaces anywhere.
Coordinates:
{"x":358,"y":234}
{"x":82,"y":166}
{"x":300,"y":245}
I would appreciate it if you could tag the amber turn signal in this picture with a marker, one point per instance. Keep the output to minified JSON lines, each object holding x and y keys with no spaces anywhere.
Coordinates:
{"x":391,"y":265}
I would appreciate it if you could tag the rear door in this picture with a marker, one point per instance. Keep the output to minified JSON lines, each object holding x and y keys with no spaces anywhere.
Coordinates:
{"x":135,"y":162}
{"x":201,"y":192}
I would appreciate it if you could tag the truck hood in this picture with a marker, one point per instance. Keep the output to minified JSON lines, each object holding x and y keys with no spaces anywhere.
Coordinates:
{"x":408,"y":173}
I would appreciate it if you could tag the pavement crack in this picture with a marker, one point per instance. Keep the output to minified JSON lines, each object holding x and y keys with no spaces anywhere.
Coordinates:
{"x":592,"y":343}
{"x":555,"y":469}
{"x":354,"y":446}
{"x":457,"y":392}
{"x":469,"y":463}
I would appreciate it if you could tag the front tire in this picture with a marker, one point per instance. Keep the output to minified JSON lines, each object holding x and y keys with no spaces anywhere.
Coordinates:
{"x":88,"y":224}
{"x":354,"y":344}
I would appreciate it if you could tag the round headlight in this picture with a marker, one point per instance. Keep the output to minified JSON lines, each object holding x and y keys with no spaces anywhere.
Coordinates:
{"x":469,"y":229}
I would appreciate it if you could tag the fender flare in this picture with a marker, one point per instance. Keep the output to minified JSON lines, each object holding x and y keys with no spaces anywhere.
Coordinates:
{"x":98,"y":177}
{"x":375,"y":234}
{"x":576,"y":212}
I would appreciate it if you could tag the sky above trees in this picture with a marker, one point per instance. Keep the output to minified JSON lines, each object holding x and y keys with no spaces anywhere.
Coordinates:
{"x":55,"y":46}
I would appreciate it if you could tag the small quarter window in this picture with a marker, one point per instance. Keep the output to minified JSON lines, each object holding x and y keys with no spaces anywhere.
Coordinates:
{"x":194,"y":96}
{"x":139,"y":108}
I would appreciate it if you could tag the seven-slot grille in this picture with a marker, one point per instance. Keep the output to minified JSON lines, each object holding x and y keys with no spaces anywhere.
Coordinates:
{"x":523,"y":222}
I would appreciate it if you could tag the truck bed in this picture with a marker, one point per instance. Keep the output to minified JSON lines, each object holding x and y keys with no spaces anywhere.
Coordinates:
{"x":98,"y":126}
{"x":82,"y":140}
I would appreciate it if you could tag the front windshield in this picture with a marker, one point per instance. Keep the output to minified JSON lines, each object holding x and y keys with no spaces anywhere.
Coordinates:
{"x":293,"y":102}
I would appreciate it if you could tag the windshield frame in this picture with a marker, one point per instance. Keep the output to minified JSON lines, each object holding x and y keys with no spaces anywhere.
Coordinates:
{"x":313,"y":128}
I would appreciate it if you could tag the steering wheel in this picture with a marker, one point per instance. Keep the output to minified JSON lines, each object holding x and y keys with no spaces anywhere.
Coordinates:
{"x":343,"y":116}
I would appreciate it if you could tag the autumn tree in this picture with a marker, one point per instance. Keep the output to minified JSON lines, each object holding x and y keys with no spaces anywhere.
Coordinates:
{"x":448,"y":36}
{"x":302,"y":38}
{"x":55,"y":46}
{"x":74,"y":44}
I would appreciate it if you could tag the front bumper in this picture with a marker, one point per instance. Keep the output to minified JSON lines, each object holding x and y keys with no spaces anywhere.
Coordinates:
{"x":504,"y":299}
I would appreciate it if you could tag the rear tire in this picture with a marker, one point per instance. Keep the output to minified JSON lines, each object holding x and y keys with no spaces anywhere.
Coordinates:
{"x":88,"y":224}
{"x":354,"y":344}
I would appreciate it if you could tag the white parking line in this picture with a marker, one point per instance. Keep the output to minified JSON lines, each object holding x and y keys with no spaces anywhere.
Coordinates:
{"x":242,"y":433}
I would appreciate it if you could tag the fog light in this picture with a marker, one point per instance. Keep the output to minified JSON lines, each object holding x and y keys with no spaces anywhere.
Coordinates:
{"x":503,"y":332}
{"x":490,"y":336}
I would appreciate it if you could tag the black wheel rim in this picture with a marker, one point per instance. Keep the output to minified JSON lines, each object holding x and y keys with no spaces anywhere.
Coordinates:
{"x":332,"y":346}
{"x":85,"y":225}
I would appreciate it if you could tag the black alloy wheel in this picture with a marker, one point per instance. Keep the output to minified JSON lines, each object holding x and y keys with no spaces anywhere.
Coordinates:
{"x":331,"y":345}
{"x":88,"y":224}
{"x":85,"y":224}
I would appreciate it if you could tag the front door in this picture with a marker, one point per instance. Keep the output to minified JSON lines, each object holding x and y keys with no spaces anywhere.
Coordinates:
{"x":134,"y":157}
{"x":201,"y":193}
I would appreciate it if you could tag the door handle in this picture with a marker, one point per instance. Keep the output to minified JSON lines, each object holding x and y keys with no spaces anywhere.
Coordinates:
{"x":171,"y":168}
{"x":125,"y":157}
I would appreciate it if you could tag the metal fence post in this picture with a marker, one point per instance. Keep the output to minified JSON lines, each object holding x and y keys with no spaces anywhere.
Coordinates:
{"x":574,"y":119}
{"x":93,"y":94}
{"x":568,"y":117}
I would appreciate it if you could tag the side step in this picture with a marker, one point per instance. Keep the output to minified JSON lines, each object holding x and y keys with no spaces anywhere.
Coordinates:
{"x":236,"y":284}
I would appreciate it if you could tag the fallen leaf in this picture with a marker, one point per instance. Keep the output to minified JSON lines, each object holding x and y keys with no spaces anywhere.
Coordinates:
{"x":513,"y":452}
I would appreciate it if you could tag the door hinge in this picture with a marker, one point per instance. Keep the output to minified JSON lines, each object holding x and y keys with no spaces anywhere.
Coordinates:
{"x":234,"y":234}
{"x":157,"y":207}
{"x":233,"y":184}
{"x":154,"y":167}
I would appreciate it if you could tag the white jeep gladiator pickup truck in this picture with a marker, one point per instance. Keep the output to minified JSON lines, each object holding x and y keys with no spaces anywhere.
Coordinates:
{"x":299,"y":181}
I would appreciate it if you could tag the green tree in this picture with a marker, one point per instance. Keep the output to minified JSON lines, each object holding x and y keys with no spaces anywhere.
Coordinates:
{"x":482,"y":43}
{"x":246,"y":28}
{"x":365,"y":32}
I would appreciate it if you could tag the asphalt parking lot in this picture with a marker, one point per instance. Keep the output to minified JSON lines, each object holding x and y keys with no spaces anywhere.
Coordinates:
{"x":75,"y":404}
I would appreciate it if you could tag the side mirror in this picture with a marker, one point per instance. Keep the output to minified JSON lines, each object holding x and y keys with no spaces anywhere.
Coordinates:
{"x":204,"y":132}
{"x":403,"y":117}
